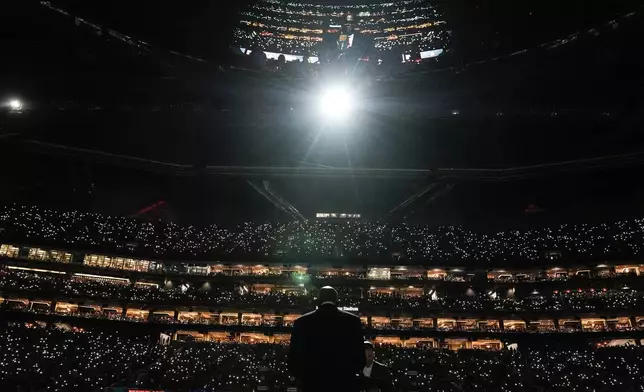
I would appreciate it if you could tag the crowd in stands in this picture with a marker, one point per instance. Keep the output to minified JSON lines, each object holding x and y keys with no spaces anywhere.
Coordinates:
{"x":91,"y":288}
{"x":39,"y":359}
{"x":375,"y":240}
{"x":229,"y":294}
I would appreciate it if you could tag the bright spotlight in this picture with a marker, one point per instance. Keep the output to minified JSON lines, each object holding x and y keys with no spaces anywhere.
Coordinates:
{"x":15,"y":104}
{"x":337,"y":102}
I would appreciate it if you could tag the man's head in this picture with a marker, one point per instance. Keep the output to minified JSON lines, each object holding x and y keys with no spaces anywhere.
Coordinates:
{"x":328,"y":294}
{"x":369,"y":352}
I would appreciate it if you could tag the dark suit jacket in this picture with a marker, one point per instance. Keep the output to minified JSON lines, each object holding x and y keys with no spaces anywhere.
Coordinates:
{"x":380,"y":378}
{"x":326,"y":352}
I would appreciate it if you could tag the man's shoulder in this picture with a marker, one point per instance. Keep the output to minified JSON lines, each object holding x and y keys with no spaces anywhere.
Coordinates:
{"x":349,"y":315}
{"x":378,"y":364}
{"x":340,"y":314}
{"x":304,"y":317}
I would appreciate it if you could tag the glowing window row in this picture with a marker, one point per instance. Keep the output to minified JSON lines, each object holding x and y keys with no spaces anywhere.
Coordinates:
{"x":587,"y":324}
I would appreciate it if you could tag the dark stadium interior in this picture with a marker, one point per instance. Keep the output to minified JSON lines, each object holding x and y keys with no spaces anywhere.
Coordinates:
{"x":173,"y":197}
{"x":506,"y":116}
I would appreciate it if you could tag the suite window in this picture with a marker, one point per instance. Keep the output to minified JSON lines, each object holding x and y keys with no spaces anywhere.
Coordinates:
{"x":129,"y":264}
{"x":9,"y":251}
{"x":61,"y":257}
{"x":142,"y":266}
{"x":117,"y":263}
{"x":37,"y":254}
{"x":155,"y":266}
{"x":197,"y":270}
{"x":94,"y":261}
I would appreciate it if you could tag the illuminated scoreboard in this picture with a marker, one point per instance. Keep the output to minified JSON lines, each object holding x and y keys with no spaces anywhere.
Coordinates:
{"x":302,"y":29}
{"x":336,"y":215}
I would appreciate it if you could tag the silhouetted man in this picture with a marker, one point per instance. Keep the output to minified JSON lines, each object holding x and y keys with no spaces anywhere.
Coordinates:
{"x":375,"y":375}
{"x":326,"y":352}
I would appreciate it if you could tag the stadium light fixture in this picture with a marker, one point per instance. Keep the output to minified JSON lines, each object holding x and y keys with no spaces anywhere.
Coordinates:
{"x":336,"y":103}
{"x":15,"y":105}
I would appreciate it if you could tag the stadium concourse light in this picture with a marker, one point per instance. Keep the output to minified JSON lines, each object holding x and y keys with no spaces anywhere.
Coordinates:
{"x":336,"y":102}
{"x":15,"y":105}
